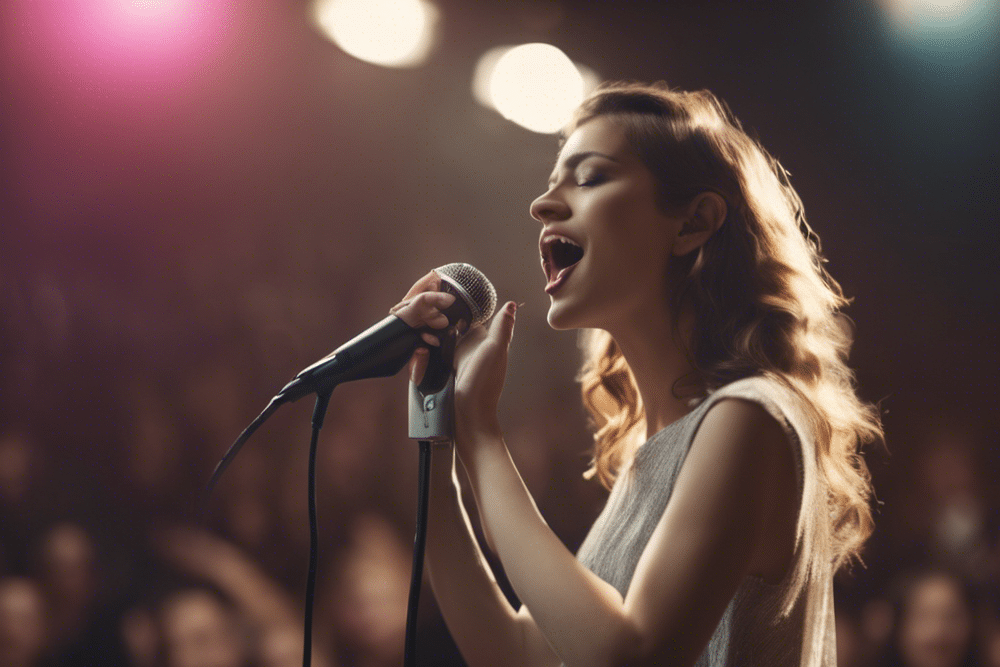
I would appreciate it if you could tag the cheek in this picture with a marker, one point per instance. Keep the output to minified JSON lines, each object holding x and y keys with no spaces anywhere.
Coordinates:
{"x":640,"y":251}
{"x":632,"y":226}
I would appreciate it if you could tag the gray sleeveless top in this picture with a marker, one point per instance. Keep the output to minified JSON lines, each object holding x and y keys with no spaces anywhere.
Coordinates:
{"x":786,"y":624}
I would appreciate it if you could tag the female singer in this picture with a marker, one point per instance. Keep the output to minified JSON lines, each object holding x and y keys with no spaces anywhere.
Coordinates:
{"x":727,"y":424}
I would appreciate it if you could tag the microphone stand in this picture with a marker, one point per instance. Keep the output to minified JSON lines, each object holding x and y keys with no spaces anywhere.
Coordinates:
{"x":431,"y":420}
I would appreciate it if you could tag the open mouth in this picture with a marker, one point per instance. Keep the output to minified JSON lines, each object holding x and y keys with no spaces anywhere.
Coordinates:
{"x":559,"y":255}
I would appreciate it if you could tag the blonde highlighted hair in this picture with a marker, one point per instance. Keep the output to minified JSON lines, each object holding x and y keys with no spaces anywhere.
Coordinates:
{"x":762,"y":300}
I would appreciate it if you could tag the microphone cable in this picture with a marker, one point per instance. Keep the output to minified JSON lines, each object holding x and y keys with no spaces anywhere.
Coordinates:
{"x":319,"y":413}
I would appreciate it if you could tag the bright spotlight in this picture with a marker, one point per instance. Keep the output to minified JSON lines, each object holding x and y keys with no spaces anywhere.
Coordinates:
{"x":536,"y":86}
{"x":391,"y":33}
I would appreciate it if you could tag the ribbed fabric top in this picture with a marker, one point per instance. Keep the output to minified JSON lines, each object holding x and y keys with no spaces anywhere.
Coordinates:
{"x":786,"y":624}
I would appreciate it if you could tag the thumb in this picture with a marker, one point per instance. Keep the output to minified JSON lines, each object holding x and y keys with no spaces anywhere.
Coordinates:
{"x":502,"y":326}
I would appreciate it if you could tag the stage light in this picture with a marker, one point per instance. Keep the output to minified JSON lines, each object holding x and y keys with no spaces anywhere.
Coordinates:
{"x":142,"y":22}
{"x":391,"y":33}
{"x":112,"y":39}
{"x":484,"y":72}
{"x":536,"y":86}
{"x":488,"y":61}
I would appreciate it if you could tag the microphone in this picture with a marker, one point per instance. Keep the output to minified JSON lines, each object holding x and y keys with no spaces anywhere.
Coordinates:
{"x":384,"y":348}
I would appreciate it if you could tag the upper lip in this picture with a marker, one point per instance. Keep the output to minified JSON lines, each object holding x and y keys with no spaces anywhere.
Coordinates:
{"x":545,"y":244}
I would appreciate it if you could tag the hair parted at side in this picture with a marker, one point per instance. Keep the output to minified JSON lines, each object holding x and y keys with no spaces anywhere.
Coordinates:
{"x":762,"y":300}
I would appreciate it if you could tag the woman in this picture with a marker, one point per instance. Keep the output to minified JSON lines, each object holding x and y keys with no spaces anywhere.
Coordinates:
{"x":712,"y":340}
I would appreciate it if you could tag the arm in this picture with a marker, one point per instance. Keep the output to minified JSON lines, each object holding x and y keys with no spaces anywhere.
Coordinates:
{"x":482,"y":622}
{"x":704,"y":544}
{"x":484,"y":625}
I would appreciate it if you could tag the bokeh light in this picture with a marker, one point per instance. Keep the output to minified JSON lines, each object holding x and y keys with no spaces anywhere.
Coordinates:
{"x":391,"y":33}
{"x":536,"y":85}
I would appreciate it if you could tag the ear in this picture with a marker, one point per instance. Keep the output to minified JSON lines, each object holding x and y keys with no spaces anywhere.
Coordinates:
{"x":702,"y":217}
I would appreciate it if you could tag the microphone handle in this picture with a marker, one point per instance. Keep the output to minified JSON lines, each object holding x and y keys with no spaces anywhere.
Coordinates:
{"x":382,"y":350}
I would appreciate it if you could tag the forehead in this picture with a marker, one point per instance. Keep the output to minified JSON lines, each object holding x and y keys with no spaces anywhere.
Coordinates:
{"x":600,"y":135}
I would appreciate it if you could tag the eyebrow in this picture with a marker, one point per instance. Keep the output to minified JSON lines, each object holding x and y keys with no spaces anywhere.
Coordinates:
{"x":576,"y":158}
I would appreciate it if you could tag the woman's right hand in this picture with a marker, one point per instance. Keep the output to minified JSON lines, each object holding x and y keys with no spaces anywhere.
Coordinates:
{"x":421,"y":307}
{"x":481,"y":357}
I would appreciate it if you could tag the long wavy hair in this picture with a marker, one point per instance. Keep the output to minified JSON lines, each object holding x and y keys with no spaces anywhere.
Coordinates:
{"x":762,"y":300}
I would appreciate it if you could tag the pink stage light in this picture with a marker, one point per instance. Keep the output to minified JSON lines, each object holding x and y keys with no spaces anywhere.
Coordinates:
{"x":132,"y":35}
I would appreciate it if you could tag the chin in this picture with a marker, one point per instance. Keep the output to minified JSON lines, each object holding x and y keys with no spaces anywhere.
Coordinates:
{"x":562,"y":316}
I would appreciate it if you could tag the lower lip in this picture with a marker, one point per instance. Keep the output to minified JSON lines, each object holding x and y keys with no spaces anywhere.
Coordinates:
{"x":559,"y":280}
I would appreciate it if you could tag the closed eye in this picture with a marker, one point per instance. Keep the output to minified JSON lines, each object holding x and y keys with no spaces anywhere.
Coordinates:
{"x":591,"y":181}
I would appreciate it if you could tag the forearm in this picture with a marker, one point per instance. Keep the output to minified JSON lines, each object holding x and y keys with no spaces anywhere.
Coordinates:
{"x":482,"y":622}
{"x":581,"y":616}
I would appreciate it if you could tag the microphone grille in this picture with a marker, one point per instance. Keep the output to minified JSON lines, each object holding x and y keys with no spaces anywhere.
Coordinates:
{"x":475,"y":288}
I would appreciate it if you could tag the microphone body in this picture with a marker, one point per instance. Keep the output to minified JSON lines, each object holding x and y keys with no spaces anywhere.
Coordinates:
{"x":384,"y":349}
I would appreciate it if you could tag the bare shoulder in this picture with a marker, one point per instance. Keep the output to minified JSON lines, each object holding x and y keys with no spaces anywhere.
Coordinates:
{"x":755,"y":449}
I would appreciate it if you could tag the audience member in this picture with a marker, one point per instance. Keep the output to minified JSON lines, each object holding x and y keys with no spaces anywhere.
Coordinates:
{"x":934,"y":622}
{"x":22,"y":623}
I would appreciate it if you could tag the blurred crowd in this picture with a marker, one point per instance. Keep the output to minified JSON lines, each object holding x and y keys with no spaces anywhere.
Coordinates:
{"x":138,"y":581}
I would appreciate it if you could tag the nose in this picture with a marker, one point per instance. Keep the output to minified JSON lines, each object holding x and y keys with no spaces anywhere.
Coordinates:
{"x":549,"y":207}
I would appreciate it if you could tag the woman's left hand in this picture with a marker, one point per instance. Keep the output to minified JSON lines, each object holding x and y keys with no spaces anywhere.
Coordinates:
{"x":480,"y":358}
{"x":481,"y":367}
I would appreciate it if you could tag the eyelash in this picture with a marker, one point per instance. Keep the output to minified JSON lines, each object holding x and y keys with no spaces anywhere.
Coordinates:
{"x":597,"y":179}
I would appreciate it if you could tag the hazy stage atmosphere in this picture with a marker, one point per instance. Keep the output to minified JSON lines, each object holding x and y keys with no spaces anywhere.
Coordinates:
{"x":202,"y":198}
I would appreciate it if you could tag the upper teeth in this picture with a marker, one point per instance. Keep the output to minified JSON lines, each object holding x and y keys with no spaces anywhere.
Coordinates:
{"x":562,"y":239}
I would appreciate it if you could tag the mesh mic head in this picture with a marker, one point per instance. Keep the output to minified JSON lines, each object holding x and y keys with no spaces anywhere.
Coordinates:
{"x":473,"y":287}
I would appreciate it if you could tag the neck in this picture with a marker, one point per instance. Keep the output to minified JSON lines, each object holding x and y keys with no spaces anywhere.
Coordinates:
{"x":655,"y":353}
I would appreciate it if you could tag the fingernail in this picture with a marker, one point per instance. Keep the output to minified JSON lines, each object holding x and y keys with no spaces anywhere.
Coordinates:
{"x":511,"y":308}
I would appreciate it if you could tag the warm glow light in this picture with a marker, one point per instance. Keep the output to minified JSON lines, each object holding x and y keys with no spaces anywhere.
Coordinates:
{"x":392,"y":33}
{"x":536,"y":86}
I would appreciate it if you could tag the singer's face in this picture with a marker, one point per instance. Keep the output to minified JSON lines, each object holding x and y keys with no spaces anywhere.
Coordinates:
{"x":605,"y":244}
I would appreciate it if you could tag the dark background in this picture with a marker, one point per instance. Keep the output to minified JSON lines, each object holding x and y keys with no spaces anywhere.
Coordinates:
{"x":185,"y":226}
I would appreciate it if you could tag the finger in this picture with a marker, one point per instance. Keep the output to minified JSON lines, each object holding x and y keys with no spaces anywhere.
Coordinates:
{"x":401,"y":304}
{"x":430,"y":339}
{"x":418,"y":365}
{"x":429,"y":283}
{"x":425,"y":310}
{"x":439,"y":300}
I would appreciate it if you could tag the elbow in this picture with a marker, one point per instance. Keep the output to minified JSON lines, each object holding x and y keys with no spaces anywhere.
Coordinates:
{"x":633,"y":648}
{"x":625,"y":646}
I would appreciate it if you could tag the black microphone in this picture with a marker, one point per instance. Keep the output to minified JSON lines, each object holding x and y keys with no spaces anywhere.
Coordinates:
{"x":383,"y":349}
